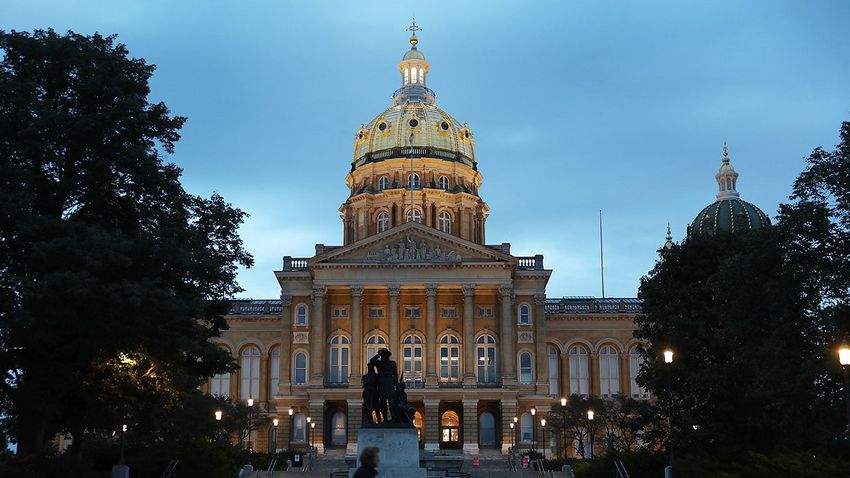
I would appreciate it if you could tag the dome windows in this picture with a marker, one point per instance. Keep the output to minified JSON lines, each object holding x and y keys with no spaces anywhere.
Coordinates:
{"x":444,"y":125}
{"x":383,"y":183}
{"x":382,"y":126}
{"x":415,"y":215}
{"x":413,"y":182}
{"x":413,"y":75}
{"x":383,"y":221}
{"x":444,"y":183}
{"x":413,"y":122}
{"x":445,"y":224}
{"x":407,"y":76}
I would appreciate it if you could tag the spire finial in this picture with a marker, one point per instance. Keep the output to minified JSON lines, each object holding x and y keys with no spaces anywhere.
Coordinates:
{"x":725,"y":153}
{"x":669,"y":243}
{"x":726,"y":177}
{"x":413,"y":28}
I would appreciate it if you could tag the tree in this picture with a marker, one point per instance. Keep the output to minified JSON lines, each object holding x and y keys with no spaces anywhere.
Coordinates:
{"x":572,"y":419}
{"x":112,"y":277}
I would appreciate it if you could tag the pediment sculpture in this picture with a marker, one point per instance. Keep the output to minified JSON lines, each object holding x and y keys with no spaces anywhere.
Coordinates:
{"x":408,"y":250}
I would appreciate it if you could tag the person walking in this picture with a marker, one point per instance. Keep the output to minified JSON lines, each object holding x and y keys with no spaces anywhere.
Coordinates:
{"x":369,"y":460}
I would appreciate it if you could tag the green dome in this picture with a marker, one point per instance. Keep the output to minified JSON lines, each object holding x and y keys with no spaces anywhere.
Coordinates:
{"x":413,"y":54}
{"x":727,"y":215}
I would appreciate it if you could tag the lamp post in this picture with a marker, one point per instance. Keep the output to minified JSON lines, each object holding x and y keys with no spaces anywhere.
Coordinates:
{"x":516,"y":431}
{"x":250,"y":410}
{"x":668,"y":359}
{"x":218,"y":414}
{"x":309,"y":433}
{"x":844,"y":359}
{"x":124,"y":432}
{"x":274,"y":435}
{"x":543,"y":427}
{"x":312,"y":427}
{"x":289,"y":435}
{"x":590,"y":415}
{"x":512,"y":436}
{"x":564,"y":430}
{"x":533,"y":430}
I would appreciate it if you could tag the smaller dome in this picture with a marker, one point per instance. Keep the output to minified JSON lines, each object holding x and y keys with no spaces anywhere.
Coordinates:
{"x":728,"y":215}
{"x":413,"y":54}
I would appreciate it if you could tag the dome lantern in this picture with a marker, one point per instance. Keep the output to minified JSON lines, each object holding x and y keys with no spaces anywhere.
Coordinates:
{"x":727,"y":178}
{"x":413,"y":69}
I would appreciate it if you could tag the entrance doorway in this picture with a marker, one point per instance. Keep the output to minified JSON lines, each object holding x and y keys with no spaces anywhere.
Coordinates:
{"x":339,"y":429}
{"x":450,"y":430}
{"x":487,"y":430}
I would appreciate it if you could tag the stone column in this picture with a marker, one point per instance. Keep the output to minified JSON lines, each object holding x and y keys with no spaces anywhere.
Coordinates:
{"x":355,"y":419}
{"x":264,"y":377}
{"x":393,"y":342}
{"x":317,"y":338}
{"x":432,"y":425}
{"x":470,"y":427}
{"x":356,"y":336}
{"x":508,"y":336}
{"x":432,"y":362}
{"x":625,"y":376}
{"x":468,"y":337}
{"x":509,"y":436}
{"x":542,"y":358}
{"x":565,"y":375}
{"x":285,"y":342}
{"x":317,"y":416}
{"x":593,"y":374}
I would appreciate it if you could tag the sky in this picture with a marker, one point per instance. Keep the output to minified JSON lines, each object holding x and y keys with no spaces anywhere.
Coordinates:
{"x":576,"y":106}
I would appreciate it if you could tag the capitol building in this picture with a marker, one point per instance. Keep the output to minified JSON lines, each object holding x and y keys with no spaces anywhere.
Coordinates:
{"x":468,"y":321}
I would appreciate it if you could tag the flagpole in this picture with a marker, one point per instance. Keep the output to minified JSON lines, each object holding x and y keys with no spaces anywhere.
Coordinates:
{"x":601,"y":255}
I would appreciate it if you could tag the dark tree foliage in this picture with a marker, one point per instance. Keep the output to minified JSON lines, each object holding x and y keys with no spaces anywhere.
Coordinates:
{"x":754,"y":320}
{"x":112,"y":277}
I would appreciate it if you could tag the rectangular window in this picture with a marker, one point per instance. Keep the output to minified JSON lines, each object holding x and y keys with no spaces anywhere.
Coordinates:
{"x":448,"y":312}
{"x":340,"y":312}
{"x":485,"y":312}
{"x":412,"y":312}
{"x":376,"y":312}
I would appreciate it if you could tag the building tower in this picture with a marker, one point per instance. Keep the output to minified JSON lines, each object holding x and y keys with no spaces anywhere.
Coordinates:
{"x":414,"y":161}
{"x":728,"y":213}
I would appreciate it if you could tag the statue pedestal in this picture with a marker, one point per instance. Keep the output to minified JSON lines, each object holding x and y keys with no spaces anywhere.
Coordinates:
{"x":399,"y":451}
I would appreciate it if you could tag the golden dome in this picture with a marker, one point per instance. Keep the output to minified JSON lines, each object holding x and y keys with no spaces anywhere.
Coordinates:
{"x":435,"y":134}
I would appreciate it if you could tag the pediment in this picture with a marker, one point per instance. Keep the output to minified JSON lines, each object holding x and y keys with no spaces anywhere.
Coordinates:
{"x":412,"y":243}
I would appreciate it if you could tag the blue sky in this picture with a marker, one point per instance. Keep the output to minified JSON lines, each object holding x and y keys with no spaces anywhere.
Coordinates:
{"x":577,"y":106}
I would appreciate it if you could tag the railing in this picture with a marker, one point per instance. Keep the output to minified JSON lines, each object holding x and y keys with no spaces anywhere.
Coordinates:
{"x":621,"y":469}
{"x":417,"y":152}
{"x":591,"y":305}
{"x":169,"y":470}
{"x":294,"y":263}
{"x":531,"y":262}
{"x":255,"y":307}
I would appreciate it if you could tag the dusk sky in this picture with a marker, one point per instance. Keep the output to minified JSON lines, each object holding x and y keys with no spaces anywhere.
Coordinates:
{"x":575,"y":106}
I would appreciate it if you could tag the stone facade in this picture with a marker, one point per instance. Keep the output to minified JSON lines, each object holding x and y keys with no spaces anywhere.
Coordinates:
{"x":469,"y":324}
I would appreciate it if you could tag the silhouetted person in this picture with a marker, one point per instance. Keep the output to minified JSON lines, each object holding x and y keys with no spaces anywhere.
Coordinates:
{"x":369,"y":460}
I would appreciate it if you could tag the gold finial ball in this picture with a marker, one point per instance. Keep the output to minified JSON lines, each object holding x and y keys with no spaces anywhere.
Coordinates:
{"x":414,"y":40}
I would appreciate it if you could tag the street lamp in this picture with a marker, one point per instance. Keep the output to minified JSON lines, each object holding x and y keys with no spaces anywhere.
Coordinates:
{"x":533,"y":430}
{"x":590,"y":415}
{"x":543,"y":427}
{"x":564,"y":430}
{"x":844,"y":360}
{"x":274,"y":436}
{"x":312,"y":427}
{"x":289,"y":435}
{"x":516,"y":440}
{"x":250,"y":409}
{"x":512,"y":435}
{"x":668,"y":359}
{"x":123,"y":432}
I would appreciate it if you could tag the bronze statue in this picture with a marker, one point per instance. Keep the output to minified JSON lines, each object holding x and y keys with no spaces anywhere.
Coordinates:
{"x":383,"y":392}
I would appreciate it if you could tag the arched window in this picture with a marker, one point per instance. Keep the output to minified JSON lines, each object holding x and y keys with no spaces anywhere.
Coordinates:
{"x":250,"y":373}
{"x":609,"y":378}
{"x":413,"y":76}
{"x":300,"y":368}
{"x":444,"y":183}
{"x":301,"y":314}
{"x":413,"y":181}
{"x":578,"y":370}
{"x":487,"y":429}
{"x":383,"y":183}
{"x":338,"y":429}
{"x":419,"y":424}
{"x":383,"y":221}
{"x":524,"y":314}
{"x":417,"y":216}
{"x":274,"y":371}
{"x":635,"y":362}
{"x":450,"y":428}
{"x":374,"y":343}
{"x":421,"y":76}
{"x":339,"y":359}
{"x":406,"y":76}
{"x":554,"y":376}
{"x":299,"y":428}
{"x":412,"y":360}
{"x":220,"y":385}
{"x":486,"y":362}
{"x":526,"y":368}
{"x":526,"y":433}
{"x":445,"y":222}
{"x":449,"y":359}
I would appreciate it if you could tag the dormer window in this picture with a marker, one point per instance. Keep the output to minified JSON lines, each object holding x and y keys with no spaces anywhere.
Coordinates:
{"x":444,"y":183}
{"x":383,"y":183}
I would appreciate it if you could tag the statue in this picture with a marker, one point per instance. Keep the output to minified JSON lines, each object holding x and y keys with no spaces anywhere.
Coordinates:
{"x":383,"y":392}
